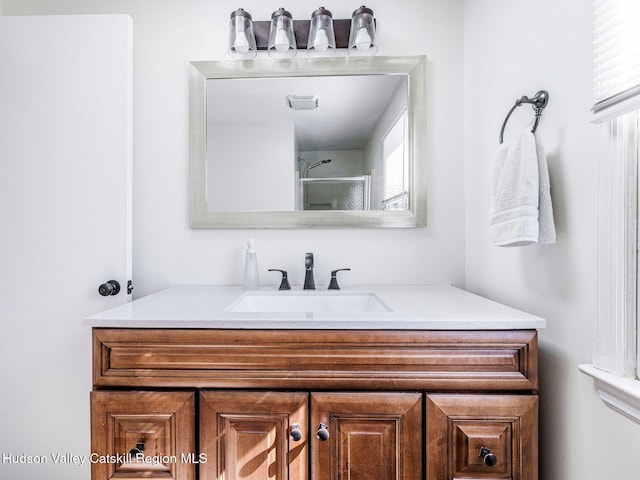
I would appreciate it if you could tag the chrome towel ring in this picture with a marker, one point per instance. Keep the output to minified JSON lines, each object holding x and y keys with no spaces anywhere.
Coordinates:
{"x":538,"y":102}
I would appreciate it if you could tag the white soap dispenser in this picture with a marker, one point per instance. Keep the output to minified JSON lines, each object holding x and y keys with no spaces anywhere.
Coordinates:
{"x":251,"y":278}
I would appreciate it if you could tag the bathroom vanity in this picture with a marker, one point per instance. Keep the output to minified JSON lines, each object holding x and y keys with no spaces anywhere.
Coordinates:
{"x":402,"y":383}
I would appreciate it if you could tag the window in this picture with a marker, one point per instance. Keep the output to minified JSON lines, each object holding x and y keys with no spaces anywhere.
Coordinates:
{"x":616,"y":81}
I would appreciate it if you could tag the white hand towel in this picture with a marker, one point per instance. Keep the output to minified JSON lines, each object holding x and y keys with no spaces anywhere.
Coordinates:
{"x":547,"y":228}
{"x":521,"y":212}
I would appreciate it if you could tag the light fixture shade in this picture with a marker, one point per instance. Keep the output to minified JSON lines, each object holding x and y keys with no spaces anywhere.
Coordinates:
{"x":282,"y":42}
{"x":242,"y":40}
{"x":362,"y":37}
{"x":322,"y":39}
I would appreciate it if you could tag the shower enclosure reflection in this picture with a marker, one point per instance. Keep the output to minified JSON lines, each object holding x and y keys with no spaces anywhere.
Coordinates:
{"x":331,"y":193}
{"x":338,"y":193}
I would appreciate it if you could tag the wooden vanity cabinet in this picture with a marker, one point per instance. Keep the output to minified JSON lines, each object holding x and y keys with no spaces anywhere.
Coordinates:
{"x":303,"y":404}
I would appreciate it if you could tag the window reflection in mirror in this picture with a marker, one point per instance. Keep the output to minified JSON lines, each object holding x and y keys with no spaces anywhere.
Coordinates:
{"x":394,"y":180}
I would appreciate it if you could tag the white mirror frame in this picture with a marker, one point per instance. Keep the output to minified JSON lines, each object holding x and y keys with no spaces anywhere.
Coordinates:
{"x":412,"y":66}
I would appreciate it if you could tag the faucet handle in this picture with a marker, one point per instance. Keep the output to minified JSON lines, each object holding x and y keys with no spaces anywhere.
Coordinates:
{"x":284,"y":284}
{"x":333,"y":284}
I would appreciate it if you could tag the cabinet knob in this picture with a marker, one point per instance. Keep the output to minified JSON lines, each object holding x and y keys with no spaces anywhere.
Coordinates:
{"x":112,"y":287}
{"x":489,"y":458}
{"x":323,"y":432}
{"x":295,"y":433}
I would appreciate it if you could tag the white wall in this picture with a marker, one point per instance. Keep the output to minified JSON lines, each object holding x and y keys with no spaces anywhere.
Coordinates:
{"x":514,"y":49}
{"x":170,"y":33}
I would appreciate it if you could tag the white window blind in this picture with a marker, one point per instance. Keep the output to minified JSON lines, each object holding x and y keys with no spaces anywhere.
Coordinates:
{"x":616,"y":54}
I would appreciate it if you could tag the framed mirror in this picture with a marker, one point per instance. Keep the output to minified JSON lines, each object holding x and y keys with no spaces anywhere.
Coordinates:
{"x":334,"y":142}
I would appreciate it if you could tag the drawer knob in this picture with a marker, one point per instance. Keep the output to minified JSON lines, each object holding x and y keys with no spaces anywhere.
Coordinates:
{"x":295,"y":433}
{"x":323,"y":432}
{"x":489,"y":458}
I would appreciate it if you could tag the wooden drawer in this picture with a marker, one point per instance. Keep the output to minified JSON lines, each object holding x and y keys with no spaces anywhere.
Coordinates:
{"x":160,"y":424}
{"x":460,"y":426}
{"x":303,"y":359}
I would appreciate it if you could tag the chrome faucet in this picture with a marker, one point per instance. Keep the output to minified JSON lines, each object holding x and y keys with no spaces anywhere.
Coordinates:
{"x":309,"y":283}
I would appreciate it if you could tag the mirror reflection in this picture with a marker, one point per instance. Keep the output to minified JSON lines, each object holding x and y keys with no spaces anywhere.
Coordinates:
{"x":307,"y":143}
{"x":334,"y":142}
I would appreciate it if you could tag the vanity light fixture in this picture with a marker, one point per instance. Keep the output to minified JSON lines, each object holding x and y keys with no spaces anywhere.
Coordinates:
{"x":362,"y":37}
{"x":282,"y":42}
{"x":242,"y":40}
{"x":282,"y":36}
{"x":322,"y":39}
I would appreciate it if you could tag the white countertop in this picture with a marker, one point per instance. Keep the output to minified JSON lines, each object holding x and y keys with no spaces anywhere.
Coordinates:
{"x":413,"y":308}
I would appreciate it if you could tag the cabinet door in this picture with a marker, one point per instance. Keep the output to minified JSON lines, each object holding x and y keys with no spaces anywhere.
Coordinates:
{"x":459,"y":427}
{"x":254,"y":435}
{"x":371,"y":436}
{"x":143,"y":435}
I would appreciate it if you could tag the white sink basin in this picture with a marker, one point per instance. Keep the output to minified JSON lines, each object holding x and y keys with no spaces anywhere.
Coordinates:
{"x":309,"y":301}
